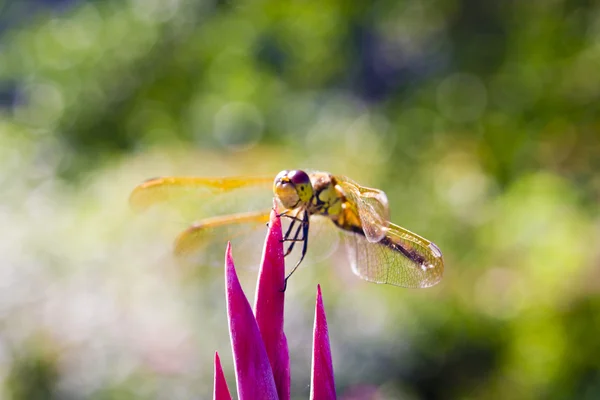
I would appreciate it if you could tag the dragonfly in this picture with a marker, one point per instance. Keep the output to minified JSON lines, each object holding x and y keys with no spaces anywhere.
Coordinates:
{"x":378,"y":250}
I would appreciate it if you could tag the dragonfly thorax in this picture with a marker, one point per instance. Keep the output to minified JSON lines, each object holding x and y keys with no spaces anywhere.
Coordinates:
{"x":327,"y":199}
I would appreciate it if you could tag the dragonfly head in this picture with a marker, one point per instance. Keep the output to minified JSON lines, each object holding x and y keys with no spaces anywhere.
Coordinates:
{"x":293,"y":188}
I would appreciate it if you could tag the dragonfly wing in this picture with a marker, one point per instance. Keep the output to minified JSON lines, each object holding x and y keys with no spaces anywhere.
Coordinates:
{"x":246,"y":232}
{"x":220,"y":230}
{"x":323,"y":238}
{"x":401,"y":258}
{"x":167,"y":189}
{"x":372,"y":208}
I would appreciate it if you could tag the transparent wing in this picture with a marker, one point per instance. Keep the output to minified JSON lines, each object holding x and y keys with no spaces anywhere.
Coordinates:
{"x":201,"y":233}
{"x":371,"y":205}
{"x":401,"y":258}
{"x":168,"y":189}
{"x":323,"y":239}
{"x":203,"y":242}
{"x":246,"y":232}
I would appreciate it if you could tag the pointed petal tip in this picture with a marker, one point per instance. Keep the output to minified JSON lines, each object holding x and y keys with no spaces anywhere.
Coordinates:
{"x":274,"y":222}
{"x":228,"y":257}
{"x":228,"y":251}
{"x":320,"y":317}
{"x":230,"y":273}
{"x":322,"y":378}
{"x":319,"y":308}
{"x":220,"y":389}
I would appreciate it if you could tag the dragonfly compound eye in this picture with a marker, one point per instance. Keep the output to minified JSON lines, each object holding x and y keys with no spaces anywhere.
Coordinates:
{"x":292,"y":188}
{"x":302,"y":183}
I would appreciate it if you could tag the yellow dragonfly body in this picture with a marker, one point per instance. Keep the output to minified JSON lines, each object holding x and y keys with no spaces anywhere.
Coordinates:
{"x":379,"y":251}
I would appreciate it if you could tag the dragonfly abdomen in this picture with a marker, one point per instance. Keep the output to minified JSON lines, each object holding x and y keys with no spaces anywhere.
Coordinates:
{"x":411,"y":254}
{"x":386,"y":241}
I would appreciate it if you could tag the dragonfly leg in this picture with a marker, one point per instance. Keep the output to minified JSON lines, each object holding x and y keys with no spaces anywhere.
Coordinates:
{"x":288,"y":231}
{"x":286,"y":237}
{"x":294,"y":239}
{"x":292,"y":217}
{"x":286,"y":215}
{"x":305,"y":226}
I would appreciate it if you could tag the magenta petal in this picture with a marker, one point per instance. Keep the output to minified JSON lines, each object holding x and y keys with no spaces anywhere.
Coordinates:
{"x":322,"y":384}
{"x":221,"y":391}
{"x":268,"y":306}
{"x":252,"y":368}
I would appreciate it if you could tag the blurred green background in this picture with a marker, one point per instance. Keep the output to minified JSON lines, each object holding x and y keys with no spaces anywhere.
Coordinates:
{"x":480,"y":120}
